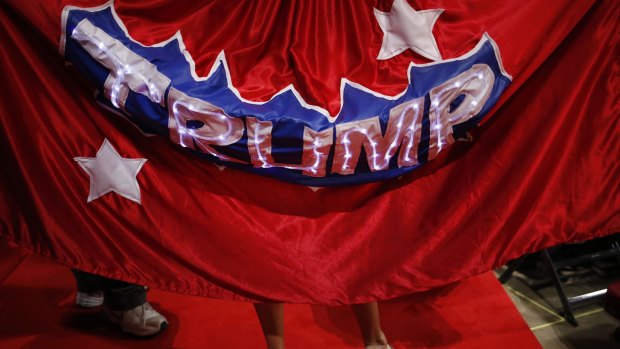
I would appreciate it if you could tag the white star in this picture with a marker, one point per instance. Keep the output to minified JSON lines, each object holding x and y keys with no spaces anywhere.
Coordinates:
{"x":405,"y":28}
{"x":109,"y":171}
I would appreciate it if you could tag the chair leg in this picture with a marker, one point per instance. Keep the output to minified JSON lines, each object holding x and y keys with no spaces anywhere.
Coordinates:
{"x":511,"y":267}
{"x":568,"y":313}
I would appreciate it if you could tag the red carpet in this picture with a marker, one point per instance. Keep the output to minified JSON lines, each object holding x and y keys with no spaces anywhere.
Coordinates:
{"x":37,"y":311}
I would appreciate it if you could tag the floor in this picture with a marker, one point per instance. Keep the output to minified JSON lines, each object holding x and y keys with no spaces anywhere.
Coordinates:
{"x":538,"y":302}
{"x":436,"y":325}
{"x":37,"y":312}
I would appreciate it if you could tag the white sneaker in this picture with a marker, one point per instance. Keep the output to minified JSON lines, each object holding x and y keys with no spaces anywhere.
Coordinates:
{"x":141,"y":321}
{"x":89,"y":299}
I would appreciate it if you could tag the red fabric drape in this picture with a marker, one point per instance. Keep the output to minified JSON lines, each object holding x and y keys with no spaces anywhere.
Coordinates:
{"x":544,"y":169}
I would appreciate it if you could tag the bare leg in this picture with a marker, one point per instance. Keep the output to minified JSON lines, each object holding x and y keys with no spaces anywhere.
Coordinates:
{"x":271,"y":317}
{"x":367,"y":316}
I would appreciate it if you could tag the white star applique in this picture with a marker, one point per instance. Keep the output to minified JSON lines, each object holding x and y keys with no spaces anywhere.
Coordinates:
{"x":405,"y":28}
{"x":109,"y":171}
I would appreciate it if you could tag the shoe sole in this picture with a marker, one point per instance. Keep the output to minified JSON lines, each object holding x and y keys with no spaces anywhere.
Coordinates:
{"x":143,"y":335}
{"x":162,"y":327}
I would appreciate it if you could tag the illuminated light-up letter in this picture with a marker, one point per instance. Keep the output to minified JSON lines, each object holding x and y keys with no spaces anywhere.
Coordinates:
{"x":476,"y":85}
{"x":259,"y":142}
{"x":128,"y":71}
{"x":350,"y":137}
{"x":194,"y":120}
{"x":315,"y":149}
{"x":404,"y":129}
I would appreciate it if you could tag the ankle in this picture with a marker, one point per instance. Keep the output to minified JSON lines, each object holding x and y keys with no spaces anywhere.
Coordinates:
{"x":376,"y":342}
{"x":274,"y":341}
{"x":377,"y":346}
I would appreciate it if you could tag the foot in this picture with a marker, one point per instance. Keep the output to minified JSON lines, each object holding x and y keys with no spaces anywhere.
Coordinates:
{"x":89,"y":299}
{"x":379,"y":341}
{"x":142,"y":321}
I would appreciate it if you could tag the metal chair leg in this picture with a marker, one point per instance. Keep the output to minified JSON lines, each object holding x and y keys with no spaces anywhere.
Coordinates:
{"x":511,"y":267}
{"x":568,"y":312}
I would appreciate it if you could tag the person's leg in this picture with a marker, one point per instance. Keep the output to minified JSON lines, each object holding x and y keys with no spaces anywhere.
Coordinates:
{"x":124,"y":303}
{"x":121,"y":295}
{"x":85,"y":282}
{"x":271,"y":317}
{"x":89,"y":294}
{"x":118,"y":295}
{"x":367,"y":316}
